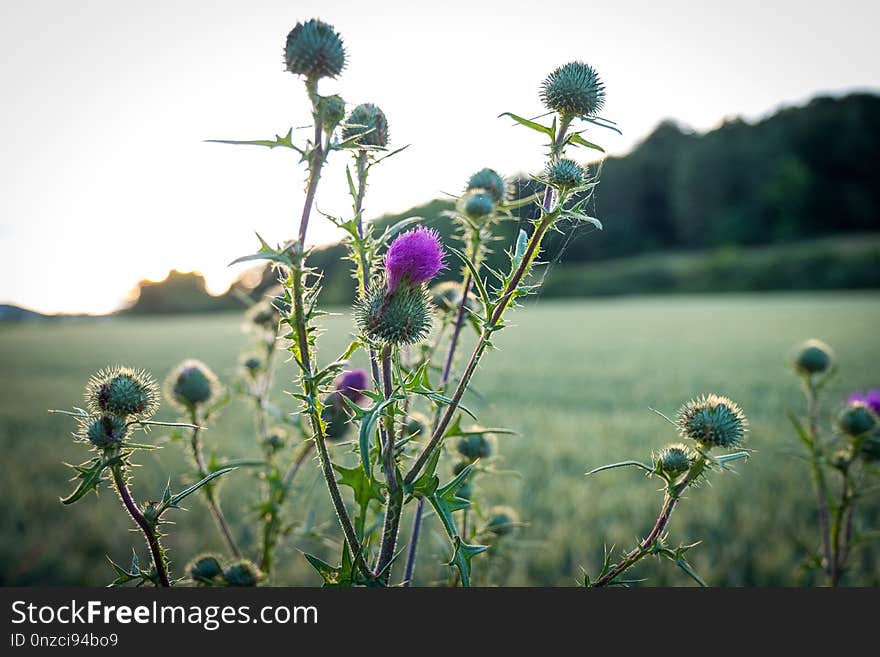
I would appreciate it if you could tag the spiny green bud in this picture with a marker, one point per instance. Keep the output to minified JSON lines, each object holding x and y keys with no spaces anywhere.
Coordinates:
{"x":275,"y":440}
{"x":105,"y":431}
{"x":813,"y":357}
{"x":314,"y":49}
{"x":475,"y":446}
{"x":573,"y":90}
{"x":123,"y":391}
{"x":190,"y":384}
{"x":446,"y":297}
{"x":416,"y":425}
{"x":204,"y":569}
{"x":675,"y":459}
{"x":502,"y":521}
{"x":331,"y":110}
{"x":252,"y":364}
{"x":479,"y":205}
{"x":242,"y":573}
{"x":399,"y":317}
{"x":857,"y":419}
{"x":712,"y":421}
{"x":368,"y":123}
{"x":267,"y":312}
{"x":489,"y":181}
{"x":562,"y":172}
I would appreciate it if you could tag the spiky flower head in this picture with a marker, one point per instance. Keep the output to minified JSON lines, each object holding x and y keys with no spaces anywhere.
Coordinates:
{"x":314,"y":49}
{"x":242,"y":573}
{"x":414,"y":257}
{"x":401,"y":317}
{"x":857,"y":419}
{"x":446,"y":297}
{"x":813,"y":357}
{"x":368,"y":123}
{"x":123,"y":391}
{"x":712,"y":421}
{"x":489,"y":181}
{"x":204,"y":569}
{"x":562,"y":172}
{"x":275,"y":440}
{"x":675,"y":459}
{"x":331,"y":110}
{"x":252,"y":364}
{"x":476,"y":446}
{"x":104,"y":431}
{"x":502,"y":521}
{"x":352,"y":383}
{"x":573,"y":89}
{"x":871,"y":398}
{"x":191,"y":384}
{"x":415,"y":425}
{"x":479,"y":205}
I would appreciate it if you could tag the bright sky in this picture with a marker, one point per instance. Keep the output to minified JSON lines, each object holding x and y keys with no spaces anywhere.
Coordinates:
{"x":106,"y":103}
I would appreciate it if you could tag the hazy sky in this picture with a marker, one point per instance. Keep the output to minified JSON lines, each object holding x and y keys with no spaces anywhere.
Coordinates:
{"x":106,"y":178}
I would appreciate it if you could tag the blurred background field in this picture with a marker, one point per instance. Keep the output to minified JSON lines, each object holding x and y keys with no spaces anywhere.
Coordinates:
{"x":574,"y":379}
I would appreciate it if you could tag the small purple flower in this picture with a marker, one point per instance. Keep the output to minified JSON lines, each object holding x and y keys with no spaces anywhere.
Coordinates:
{"x":870,"y":398}
{"x":414,"y":257}
{"x":351,"y":383}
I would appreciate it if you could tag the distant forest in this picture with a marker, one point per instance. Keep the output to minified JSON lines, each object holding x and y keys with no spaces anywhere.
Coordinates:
{"x":802,"y":174}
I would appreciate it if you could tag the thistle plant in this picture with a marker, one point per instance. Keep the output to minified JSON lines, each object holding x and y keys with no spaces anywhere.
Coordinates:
{"x":119,"y":402}
{"x":842,"y":459}
{"x":709,"y":422}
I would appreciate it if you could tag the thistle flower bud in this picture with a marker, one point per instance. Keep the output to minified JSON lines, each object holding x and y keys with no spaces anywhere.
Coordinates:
{"x":479,"y":205}
{"x":368,"y":123}
{"x":275,"y":440}
{"x":337,"y":413}
{"x":191,"y":384}
{"x":266,"y":313}
{"x":857,"y":419}
{"x":401,"y":317}
{"x":489,"y":181}
{"x":414,"y":257}
{"x":502,"y":521}
{"x":476,"y":446}
{"x":105,"y":431}
{"x":242,"y":573}
{"x":871,"y":399}
{"x":675,"y":459}
{"x":562,"y":172}
{"x":573,"y":89}
{"x":813,"y":357}
{"x":314,"y":49}
{"x":123,"y":391}
{"x":331,"y":110}
{"x":446,"y":297}
{"x":841,"y":459}
{"x":252,"y":364}
{"x":204,"y":569}
{"x":712,"y":421}
{"x":415,"y":425}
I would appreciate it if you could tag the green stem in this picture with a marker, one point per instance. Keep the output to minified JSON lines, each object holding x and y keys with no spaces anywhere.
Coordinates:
{"x":819,"y":483}
{"x":841,"y":530}
{"x":148,"y":530}
{"x":394,"y":499}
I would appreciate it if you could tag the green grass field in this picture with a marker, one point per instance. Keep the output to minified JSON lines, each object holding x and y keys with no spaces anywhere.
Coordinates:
{"x":575,"y":380}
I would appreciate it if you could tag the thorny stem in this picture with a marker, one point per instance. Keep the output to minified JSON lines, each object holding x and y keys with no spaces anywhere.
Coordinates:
{"x":841,"y":530}
{"x":447,"y":370}
{"x":644,"y":548}
{"x":149,"y":531}
{"x":394,"y":501}
{"x":316,"y":161}
{"x":213,"y":502}
{"x":819,"y":483}
{"x":532,"y":249}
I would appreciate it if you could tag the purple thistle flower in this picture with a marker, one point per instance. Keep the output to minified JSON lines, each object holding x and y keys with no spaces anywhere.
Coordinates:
{"x":415,"y":257}
{"x":870,"y":398}
{"x":351,"y":383}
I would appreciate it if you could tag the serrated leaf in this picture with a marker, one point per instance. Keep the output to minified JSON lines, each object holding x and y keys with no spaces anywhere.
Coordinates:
{"x":175,"y":500}
{"x":462,"y":555}
{"x":530,"y":124}
{"x":279,"y":142}
{"x":580,"y":141}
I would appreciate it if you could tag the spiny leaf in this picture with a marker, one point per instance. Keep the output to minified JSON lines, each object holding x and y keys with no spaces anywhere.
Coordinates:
{"x":283,"y":142}
{"x":550,"y":132}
